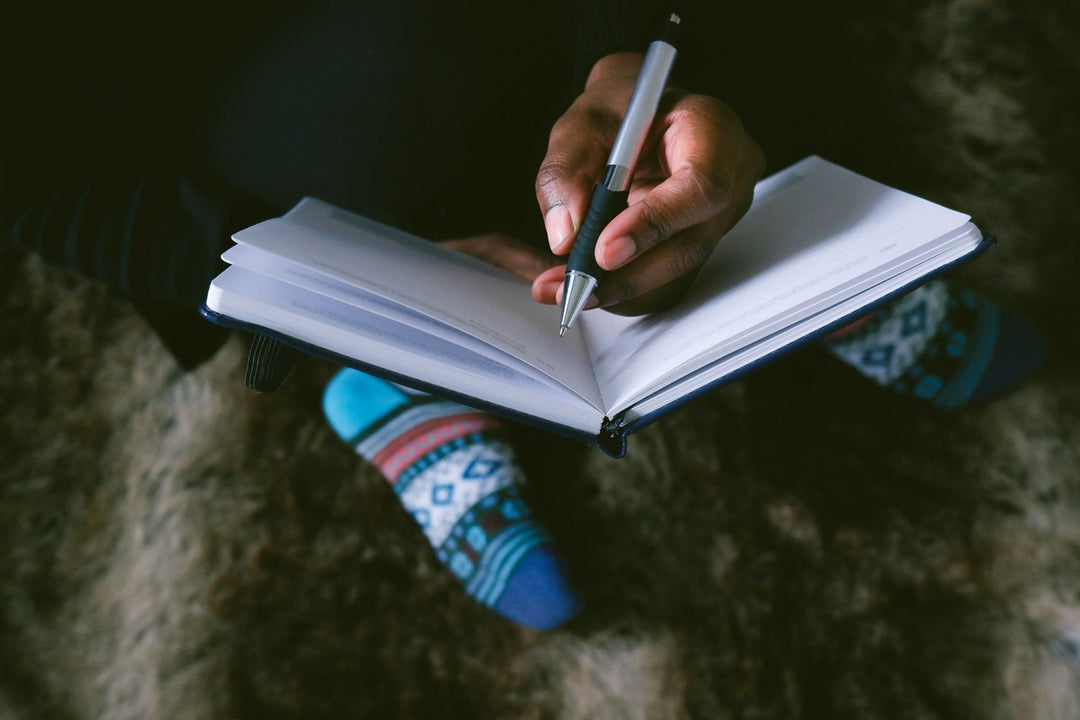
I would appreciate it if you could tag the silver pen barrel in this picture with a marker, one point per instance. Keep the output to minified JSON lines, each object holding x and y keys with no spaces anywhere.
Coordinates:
{"x":610,"y":196}
{"x":639,"y":114}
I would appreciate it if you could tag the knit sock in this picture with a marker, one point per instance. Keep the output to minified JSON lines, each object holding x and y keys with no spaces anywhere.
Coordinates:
{"x":944,"y":344}
{"x":457,"y":476}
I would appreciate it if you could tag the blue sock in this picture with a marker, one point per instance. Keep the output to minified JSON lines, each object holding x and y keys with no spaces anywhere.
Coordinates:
{"x":457,"y":476}
{"x":944,"y":344}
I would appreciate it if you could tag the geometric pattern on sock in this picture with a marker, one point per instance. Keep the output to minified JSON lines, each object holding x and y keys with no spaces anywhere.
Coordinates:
{"x":441,"y":458}
{"x":896,"y":336}
{"x":935,"y":346}
{"x":454,"y":472}
{"x":957,"y":356}
{"x":440,"y":494}
{"x":489,"y":540}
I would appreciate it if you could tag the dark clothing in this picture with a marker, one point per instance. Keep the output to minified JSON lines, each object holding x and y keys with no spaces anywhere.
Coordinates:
{"x":132,"y":157}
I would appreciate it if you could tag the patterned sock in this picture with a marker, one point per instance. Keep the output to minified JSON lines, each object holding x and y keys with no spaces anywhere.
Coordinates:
{"x":456,"y":475}
{"x":944,"y":344}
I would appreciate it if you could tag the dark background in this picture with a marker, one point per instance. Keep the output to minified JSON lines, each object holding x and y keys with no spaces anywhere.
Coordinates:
{"x":799,"y":543}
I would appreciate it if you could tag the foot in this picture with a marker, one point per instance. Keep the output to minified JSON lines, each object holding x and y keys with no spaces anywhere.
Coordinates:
{"x":457,"y":476}
{"x":942,"y":343}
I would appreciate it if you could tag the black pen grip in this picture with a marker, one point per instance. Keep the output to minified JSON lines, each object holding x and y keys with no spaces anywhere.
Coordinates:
{"x":603,"y":207}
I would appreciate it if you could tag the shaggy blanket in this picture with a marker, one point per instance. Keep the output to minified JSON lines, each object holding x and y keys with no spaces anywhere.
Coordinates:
{"x":796,"y":544}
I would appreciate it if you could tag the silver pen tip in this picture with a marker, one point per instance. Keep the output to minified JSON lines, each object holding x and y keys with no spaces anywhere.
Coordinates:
{"x":562,"y":330}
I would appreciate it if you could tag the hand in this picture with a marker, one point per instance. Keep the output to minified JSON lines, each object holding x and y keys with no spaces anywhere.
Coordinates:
{"x":694,"y":180}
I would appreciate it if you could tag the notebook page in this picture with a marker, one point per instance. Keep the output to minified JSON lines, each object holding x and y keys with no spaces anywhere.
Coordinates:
{"x":868,"y":288}
{"x":278,"y":268}
{"x":369,"y":338}
{"x":812,"y":229}
{"x":724,"y":366}
{"x":459,"y":291}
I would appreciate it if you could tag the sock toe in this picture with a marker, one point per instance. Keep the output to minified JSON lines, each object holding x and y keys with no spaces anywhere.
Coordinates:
{"x":537,"y":594}
{"x":944,"y":344}
{"x":456,"y":475}
{"x":353,"y":400}
{"x":1020,"y":350}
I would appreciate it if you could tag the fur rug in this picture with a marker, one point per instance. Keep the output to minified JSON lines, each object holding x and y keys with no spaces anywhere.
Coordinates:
{"x":798,"y":544}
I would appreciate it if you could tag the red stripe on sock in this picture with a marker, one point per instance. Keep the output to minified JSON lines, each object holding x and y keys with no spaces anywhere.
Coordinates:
{"x":418,"y":441}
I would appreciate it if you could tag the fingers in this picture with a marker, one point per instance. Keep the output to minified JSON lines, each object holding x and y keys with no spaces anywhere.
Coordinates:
{"x":712,"y":165}
{"x":547,"y":288}
{"x":568,"y":172}
{"x":657,"y":278}
{"x":680,"y":202}
{"x":694,"y":180}
{"x":653,"y":301}
{"x":578,"y":146}
{"x":674,"y":263}
{"x":653,"y":282}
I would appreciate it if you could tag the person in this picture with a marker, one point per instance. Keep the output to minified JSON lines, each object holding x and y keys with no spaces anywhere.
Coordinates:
{"x":135,"y":159}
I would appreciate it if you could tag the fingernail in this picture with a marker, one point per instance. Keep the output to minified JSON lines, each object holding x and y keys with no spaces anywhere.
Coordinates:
{"x":618,"y":251}
{"x":591,"y":303}
{"x":559,"y":228}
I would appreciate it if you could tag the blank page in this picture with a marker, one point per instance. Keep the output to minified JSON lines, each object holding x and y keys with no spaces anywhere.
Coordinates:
{"x":814,"y":235}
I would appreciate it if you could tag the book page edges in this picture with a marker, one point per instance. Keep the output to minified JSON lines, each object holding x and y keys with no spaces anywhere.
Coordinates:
{"x":634,"y":418}
{"x":569,"y":416}
{"x":454,"y":289}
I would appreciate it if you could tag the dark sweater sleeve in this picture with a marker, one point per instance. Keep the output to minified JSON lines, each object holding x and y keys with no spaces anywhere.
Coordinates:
{"x":154,"y":234}
{"x":604,"y":27}
{"x":99,"y":170}
{"x":609,"y":26}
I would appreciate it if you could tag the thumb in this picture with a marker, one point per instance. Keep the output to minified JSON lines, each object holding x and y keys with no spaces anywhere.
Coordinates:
{"x":573,"y":164}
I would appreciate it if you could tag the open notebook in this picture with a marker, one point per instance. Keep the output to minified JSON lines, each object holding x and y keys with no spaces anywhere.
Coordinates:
{"x":820,"y":246}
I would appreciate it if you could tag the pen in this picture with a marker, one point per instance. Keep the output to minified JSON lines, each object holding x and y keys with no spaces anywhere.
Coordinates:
{"x":610,"y":196}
